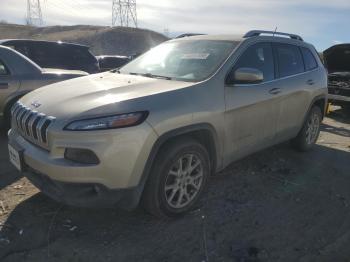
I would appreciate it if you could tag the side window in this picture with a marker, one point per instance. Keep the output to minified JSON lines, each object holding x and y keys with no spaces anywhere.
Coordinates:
{"x":290,"y":61}
{"x":3,"y":69}
{"x":258,"y":56}
{"x":309,"y":59}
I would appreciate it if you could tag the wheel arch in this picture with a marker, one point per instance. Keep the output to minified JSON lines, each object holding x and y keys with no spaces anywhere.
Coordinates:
{"x":321,"y":102}
{"x":204,"y":133}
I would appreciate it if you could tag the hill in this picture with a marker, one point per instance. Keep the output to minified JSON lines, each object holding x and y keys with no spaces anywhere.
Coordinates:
{"x":102,"y":40}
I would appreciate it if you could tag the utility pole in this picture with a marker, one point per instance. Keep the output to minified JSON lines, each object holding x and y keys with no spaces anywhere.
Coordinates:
{"x":34,"y":15}
{"x":124,"y":13}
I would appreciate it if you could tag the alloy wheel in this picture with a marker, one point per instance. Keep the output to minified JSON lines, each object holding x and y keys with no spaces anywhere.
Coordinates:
{"x":313,"y":127}
{"x":184,"y":181}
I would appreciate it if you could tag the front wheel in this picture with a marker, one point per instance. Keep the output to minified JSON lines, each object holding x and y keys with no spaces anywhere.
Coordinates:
{"x":179,"y":175}
{"x":310,"y":132}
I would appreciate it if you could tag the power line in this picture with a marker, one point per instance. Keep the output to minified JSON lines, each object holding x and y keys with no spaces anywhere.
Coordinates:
{"x":34,"y":15}
{"x":124,"y":13}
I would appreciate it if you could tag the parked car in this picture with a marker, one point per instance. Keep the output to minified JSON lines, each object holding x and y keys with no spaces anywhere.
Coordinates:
{"x":337,"y":61}
{"x":19,"y":75}
{"x":109,"y":62}
{"x":157,"y":128}
{"x":59,"y":54}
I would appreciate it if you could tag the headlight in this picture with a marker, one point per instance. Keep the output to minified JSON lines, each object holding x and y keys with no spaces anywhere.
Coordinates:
{"x":107,"y":122}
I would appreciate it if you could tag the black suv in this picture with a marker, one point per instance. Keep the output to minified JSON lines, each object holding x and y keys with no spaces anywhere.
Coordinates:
{"x":110,"y":62}
{"x":56,"y":54}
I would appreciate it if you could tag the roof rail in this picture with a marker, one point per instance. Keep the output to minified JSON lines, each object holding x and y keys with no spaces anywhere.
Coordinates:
{"x":260,"y":32}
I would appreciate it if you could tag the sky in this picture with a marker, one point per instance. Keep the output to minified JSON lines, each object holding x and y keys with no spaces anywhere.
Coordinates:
{"x":320,"y":22}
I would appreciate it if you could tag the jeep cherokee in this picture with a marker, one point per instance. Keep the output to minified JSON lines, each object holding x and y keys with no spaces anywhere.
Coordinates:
{"x":157,"y":128}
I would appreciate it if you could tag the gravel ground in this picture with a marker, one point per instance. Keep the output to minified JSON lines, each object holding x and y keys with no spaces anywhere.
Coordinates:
{"x":277,"y":205}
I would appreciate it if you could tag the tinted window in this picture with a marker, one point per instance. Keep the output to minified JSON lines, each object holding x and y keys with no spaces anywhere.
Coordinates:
{"x":309,"y":59}
{"x":3,"y":69}
{"x":112,"y":62}
{"x":258,"y":56}
{"x":290,"y":61}
{"x":61,"y":56}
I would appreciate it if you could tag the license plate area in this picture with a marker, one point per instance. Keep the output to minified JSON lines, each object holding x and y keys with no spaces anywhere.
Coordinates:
{"x":16,"y":156}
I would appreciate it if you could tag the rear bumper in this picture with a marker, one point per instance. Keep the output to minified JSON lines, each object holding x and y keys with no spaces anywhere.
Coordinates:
{"x":89,"y":195}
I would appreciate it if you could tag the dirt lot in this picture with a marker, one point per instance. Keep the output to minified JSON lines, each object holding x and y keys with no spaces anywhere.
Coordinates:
{"x":277,"y":205}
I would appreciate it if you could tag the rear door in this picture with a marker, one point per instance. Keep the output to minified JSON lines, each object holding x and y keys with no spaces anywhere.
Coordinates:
{"x":295,"y":86}
{"x":251,"y":109}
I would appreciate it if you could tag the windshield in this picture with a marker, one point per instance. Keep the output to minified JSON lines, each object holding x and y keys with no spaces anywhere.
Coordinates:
{"x":190,"y":60}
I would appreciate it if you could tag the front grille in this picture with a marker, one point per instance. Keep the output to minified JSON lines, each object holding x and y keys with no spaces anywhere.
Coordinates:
{"x":31,"y":124}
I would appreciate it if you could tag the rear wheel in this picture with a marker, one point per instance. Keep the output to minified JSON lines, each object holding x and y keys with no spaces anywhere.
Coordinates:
{"x":310,"y":132}
{"x":179,"y":175}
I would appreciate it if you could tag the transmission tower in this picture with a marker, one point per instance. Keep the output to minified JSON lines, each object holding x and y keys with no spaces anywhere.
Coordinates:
{"x":34,"y":15}
{"x":124,"y":13}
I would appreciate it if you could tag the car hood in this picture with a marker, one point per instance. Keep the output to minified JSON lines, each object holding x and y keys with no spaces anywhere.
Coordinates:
{"x":98,"y":94}
{"x":337,"y":58}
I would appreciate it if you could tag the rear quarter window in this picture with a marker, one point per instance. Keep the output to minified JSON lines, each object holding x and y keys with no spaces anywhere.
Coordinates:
{"x":309,"y":59}
{"x":290,"y":60}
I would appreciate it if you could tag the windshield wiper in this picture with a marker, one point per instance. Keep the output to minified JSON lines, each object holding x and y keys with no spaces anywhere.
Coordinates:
{"x":115,"y":71}
{"x":151,"y":75}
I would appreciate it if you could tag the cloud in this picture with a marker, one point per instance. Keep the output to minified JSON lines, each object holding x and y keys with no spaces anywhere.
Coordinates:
{"x":315,"y":20}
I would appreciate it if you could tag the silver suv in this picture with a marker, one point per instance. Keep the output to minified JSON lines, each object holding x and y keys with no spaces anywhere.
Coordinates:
{"x":156,"y":129}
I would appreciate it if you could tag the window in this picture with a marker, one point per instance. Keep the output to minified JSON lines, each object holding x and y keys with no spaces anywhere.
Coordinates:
{"x":258,"y":56}
{"x":309,"y":59}
{"x":3,"y":69}
{"x":190,"y":60}
{"x":290,"y":61}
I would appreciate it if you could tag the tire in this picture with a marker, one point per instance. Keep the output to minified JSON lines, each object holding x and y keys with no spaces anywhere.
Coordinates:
{"x":188,"y":184}
{"x":310,"y":131}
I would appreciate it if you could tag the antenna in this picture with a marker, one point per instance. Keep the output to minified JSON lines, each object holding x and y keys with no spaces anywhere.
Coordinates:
{"x":124,"y":13}
{"x":34,"y":14}
{"x":274,"y":32}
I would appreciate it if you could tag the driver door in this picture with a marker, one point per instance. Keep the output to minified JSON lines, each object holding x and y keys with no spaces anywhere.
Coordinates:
{"x":251,"y":109}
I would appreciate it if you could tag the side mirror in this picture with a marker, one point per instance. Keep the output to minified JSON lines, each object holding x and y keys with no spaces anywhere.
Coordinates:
{"x":246,"y":75}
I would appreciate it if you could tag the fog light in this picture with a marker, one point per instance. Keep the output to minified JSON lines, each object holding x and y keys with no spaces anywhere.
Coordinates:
{"x":81,"y":156}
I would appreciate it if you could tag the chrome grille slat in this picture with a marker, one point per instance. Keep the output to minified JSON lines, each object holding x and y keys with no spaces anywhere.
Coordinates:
{"x":20,"y":115}
{"x":38,"y":129}
{"x":31,"y":124}
{"x":24,"y":118}
{"x":14,"y":108}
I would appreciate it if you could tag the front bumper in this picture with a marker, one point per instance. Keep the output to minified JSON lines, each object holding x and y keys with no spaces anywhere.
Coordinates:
{"x":123,"y":154}
{"x":85,"y":194}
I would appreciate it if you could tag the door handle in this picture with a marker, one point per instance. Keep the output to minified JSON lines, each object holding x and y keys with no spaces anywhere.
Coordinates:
{"x":4,"y":85}
{"x":310,"y":82}
{"x":275,"y":91}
